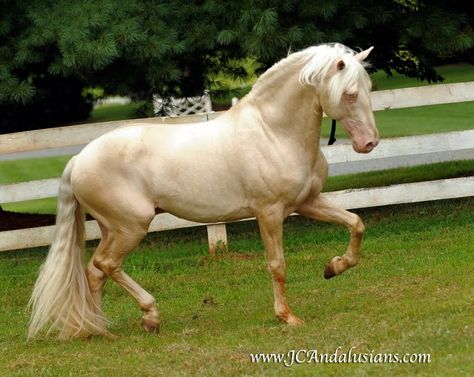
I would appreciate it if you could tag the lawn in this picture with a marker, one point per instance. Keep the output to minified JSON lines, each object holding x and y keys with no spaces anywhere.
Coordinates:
{"x":411,"y":293}
{"x":424,"y":119}
{"x":452,"y":73}
{"x":417,"y":120}
{"x":12,"y":171}
{"x":107,"y":113}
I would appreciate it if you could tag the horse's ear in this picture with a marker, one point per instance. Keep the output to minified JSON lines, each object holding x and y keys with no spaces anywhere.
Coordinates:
{"x":361,"y":56}
{"x":340,"y":65}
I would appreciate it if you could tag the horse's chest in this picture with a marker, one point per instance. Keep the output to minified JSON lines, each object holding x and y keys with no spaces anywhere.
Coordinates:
{"x":288,"y":181}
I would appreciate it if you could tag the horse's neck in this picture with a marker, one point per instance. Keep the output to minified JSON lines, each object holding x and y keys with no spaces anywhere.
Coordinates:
{"x":288,"y":108}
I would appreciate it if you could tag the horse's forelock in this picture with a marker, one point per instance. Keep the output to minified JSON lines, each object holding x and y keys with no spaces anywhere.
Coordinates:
{"x":322,"y":60}
{"x":353,"y":78}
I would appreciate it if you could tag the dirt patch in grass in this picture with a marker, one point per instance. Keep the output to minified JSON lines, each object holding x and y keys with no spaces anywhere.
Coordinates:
{"x":12,"y":220}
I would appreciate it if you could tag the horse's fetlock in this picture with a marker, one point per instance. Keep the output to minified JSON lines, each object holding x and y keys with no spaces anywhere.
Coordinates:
{"x":282,"y":315}
{"x":351,"y":261}
{"x":148,"y":304}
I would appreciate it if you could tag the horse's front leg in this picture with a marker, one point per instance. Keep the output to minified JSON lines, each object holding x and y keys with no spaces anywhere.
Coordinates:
{"x":321,"y":209}
{"x":270,"y":222}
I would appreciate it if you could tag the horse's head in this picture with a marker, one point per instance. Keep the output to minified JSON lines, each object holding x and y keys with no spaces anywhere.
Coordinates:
{"x":344,"y":95}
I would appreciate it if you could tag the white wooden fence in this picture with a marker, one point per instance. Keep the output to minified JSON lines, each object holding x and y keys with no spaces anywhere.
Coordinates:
{"x":443,"y":144}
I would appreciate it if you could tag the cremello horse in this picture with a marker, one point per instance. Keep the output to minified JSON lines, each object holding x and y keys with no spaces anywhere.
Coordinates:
{"x":261,"y":158}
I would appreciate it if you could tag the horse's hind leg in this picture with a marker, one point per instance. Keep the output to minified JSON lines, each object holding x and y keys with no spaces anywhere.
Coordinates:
{"x":95,"y":277}
{"x":321,"y":209}
{"x":109,"y":260}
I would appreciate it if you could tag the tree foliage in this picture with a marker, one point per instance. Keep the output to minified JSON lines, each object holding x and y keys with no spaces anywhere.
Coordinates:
{"x":51,"y":49}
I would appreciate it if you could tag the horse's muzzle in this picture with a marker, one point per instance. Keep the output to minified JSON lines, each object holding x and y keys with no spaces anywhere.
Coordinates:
{"x":366,"y":147}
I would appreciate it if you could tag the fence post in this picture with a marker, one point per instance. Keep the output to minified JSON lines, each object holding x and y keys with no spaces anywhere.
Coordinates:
{"x":217,"y":237}
{"x":207,"y":101}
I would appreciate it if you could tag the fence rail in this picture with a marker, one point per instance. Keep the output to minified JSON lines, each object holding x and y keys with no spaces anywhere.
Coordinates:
{"x":83,"y":134}
{"x":408,"y":147}
{"x":449,"y":142}
{"x":348,"y":199}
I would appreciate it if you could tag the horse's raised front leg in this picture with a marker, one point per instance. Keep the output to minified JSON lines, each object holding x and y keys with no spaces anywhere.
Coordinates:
{"x":322,"y":209}
{"x":270,"y":222}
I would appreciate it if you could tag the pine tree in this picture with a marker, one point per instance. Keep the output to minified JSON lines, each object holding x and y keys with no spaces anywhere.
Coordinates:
{"x":51,"y":49}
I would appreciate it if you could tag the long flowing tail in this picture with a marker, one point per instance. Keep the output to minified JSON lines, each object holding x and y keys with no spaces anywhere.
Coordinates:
{"x":61,"y":297}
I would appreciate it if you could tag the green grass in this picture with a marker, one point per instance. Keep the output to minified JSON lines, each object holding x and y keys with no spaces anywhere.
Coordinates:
{"x":426,"y":119}
{"x":417,"y":120}
{"x":12,"y":171}
{"x":107,"y":113}
{"x":38,"y":206}
{"x":452,"y":73}
{"x":420,"y":120}
{"x":442,"y":170}
{"x":411,"y":292}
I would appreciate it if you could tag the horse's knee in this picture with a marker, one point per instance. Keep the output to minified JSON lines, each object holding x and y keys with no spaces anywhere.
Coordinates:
{"x":277,"y":268}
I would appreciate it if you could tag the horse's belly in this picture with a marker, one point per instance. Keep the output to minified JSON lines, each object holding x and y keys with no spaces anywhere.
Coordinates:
{"x":203,"y":207}
{"x":198,"y":194}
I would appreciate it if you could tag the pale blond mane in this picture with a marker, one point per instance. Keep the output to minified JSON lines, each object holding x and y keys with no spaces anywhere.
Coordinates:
{"x":291,"y":61}
{"x":315,"y":64}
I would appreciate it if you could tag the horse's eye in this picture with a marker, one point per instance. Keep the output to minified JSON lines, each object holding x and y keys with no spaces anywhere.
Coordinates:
{"x":351,"y":97}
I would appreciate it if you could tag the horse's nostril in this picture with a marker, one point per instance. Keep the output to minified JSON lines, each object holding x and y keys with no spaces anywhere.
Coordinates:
{"x":371,"y":145}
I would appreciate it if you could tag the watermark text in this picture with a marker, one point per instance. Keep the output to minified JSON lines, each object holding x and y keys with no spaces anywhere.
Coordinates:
{"x":313,"y":356}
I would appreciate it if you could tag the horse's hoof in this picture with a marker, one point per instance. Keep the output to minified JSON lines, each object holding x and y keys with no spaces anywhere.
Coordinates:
{"x":151,"y":326}
{"x":290,"y":319}
{"x":329,"y":271}
{"x":293,"y":320}
{"x":111,"y":336}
